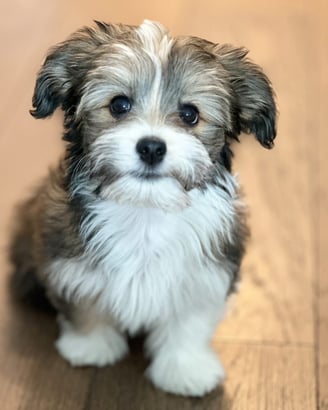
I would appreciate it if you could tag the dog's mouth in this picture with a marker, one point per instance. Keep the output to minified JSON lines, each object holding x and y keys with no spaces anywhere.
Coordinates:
{"x":147,"y":190}
{"x":148,"y":174}
{"x":154,"y":176}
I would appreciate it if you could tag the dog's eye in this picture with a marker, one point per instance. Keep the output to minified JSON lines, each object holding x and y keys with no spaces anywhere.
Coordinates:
{"x":120,"y":105}
{"x":189,"y":114}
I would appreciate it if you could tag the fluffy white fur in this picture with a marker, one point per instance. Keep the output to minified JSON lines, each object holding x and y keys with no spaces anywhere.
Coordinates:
{"x":148,"y":258}
{"x":151,"y":274}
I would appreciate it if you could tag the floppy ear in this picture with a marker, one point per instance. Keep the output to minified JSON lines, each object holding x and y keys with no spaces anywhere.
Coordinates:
{"x":64,"y":69}
{"x":53,"y":83}
{"x":254,"y":105}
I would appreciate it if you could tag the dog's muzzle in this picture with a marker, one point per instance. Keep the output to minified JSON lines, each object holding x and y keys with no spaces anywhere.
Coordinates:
{"x":151,"y":150}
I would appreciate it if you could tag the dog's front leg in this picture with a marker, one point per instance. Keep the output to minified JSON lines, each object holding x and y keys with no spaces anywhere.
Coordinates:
{"x":88,"y":338}
{"x":183,"y":361}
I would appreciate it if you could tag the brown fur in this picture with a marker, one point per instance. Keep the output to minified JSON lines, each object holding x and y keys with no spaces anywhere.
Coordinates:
{"x":45,"y":227}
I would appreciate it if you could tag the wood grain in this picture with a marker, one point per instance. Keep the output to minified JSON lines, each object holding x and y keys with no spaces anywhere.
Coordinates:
{"x":274,"y":342}
{"x":322,"y":221}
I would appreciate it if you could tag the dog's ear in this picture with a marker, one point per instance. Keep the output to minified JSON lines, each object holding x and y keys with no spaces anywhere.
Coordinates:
{"x":64,"y":69}
{"x":254,"y":105}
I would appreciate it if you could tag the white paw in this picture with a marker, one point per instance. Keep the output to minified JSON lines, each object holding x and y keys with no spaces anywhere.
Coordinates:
{"x":186,"y":373}
{"x":101,"y":347}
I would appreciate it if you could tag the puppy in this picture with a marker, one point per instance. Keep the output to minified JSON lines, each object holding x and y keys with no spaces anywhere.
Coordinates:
{"x":141,"y":225}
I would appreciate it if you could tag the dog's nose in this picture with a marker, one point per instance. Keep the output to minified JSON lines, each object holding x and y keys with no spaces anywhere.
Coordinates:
{"x":151,"y":150}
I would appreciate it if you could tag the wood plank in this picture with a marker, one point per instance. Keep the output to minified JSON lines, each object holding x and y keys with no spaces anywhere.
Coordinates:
{"x":32,"y":375}
{"x":322,"y":217}
{"x":269,"y":377}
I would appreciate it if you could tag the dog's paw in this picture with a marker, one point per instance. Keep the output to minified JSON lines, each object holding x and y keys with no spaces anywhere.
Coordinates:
{"x":186,"y":373}
{"x":102,"y":347}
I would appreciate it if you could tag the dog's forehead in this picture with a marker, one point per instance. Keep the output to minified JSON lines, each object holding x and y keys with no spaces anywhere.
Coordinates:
{"x":152,"y":67}
{"x":149,"y":45}
{"x":157,"y":43}
{"x":149,"y":50}
{"x":155,"y":39}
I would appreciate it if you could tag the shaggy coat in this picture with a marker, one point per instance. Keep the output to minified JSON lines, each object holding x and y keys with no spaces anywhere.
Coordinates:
{"x":141,"y":226}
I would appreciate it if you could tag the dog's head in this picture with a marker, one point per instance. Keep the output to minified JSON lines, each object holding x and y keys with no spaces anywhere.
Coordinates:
{"x":149,"y":117}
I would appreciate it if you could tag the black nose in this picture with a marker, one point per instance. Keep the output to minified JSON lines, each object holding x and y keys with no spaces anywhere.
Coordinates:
{"x":151,"y":150}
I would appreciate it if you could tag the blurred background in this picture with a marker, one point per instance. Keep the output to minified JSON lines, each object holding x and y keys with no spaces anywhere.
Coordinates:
{"x":274,"y":340}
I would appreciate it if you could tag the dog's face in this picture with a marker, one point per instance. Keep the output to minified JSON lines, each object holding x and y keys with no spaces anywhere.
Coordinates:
{"x":150,"y":116}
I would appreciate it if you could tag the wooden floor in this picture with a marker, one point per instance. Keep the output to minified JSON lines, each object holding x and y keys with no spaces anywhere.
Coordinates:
{"x":274,"y":342}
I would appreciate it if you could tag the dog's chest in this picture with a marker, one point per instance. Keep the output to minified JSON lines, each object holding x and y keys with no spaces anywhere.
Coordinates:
{"x":146,"y":255}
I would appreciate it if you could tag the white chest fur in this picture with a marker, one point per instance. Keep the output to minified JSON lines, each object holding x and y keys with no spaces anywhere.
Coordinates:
{"x":149,"y":262}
